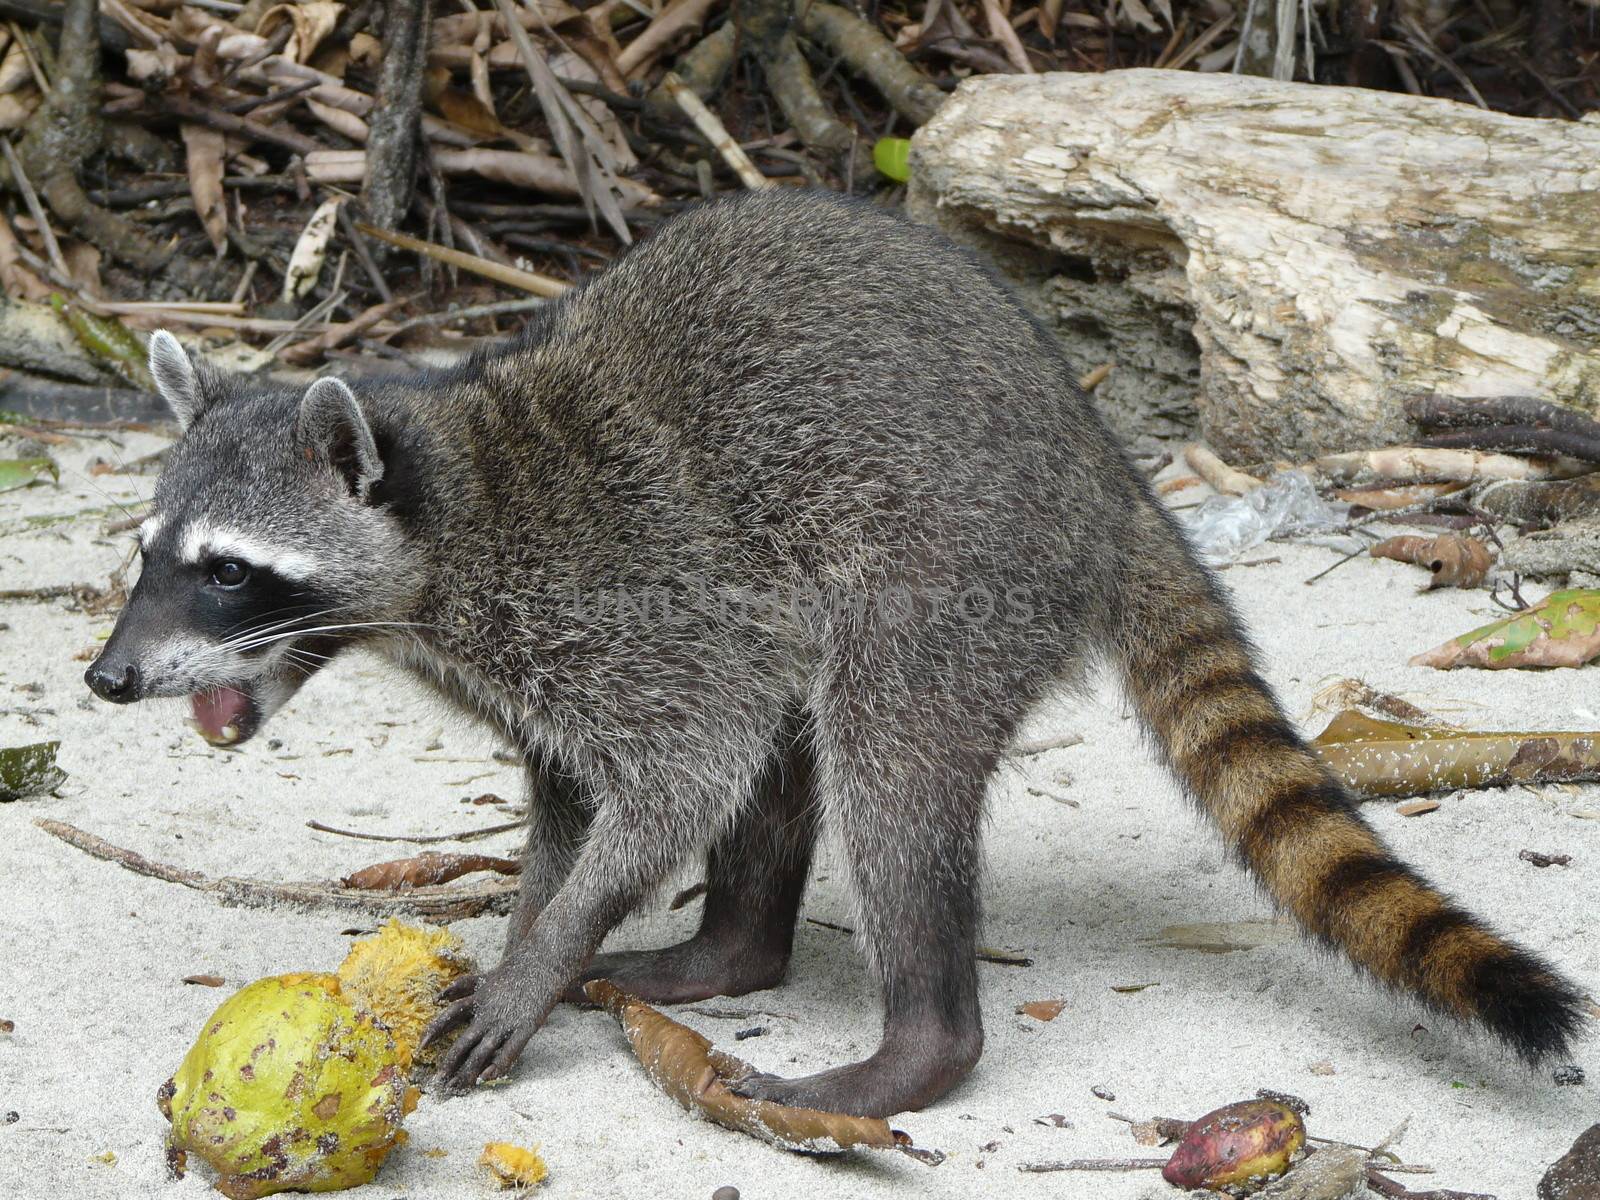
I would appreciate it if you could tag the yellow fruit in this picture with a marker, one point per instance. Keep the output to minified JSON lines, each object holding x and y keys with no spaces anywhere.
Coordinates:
{"x":289,"y":1086}
{"x":512,"y":1166}
{"x":399,"y":973}
{"x":1236,"y":1144}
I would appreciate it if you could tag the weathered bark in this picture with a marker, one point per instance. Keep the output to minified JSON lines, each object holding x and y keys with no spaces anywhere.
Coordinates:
{"x":1273,"y":265}
{"x":67,"y":130}
{"x":392,"y":145}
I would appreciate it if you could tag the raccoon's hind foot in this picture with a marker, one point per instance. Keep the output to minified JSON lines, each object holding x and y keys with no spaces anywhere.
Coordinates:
{"x":698,"y":969}
{"x":902,"y":1076}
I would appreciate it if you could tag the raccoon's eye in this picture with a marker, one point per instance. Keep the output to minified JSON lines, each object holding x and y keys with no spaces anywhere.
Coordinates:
{"x":229,"y":572}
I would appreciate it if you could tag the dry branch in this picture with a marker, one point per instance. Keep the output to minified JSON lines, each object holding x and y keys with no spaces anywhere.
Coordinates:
{"x":527,"y":281}
{"x":392,"y":146}
{"x":715,"y":132}
{"x":874,"y":57}
{"x":1534,"y":502}
{"x":1222,"y":478}
{"x":437,"y":904}
{"x":64,"y":133}
{"x":1421,"y":464}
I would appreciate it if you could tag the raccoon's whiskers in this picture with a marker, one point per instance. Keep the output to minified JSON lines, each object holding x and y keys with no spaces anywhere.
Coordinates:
{"x":237,"y":637}
{"x":253,"y":643}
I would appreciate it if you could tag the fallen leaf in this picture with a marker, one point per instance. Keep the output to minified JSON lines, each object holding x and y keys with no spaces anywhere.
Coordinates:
{"x":1562,"y":630}
{"x":1223,"y":937}
{"x":1415,"y":808}
{"x":1544,"y":860}
{"x":685,"y":1065}
{"x":1100,"y":1091}
{"x":1321,"y":1068}
{"x":1454,"y":559}
{"x":1390,"y":758}
{"x":205,"y":149}
{"x":1573,"y":1176}
{"x":205,"y":980}
{"x":1054,"y":1120}
{"x":425,"y":870}
{"x":310,"y":249}
{"x":108,"y":341}
{"x":21,"y":472}
{"x":1042,"y":1010}
{"x":29,"y":770}
{"x":1132,"y":987}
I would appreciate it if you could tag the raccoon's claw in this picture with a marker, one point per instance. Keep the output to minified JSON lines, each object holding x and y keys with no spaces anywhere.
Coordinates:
{"x":494,"y":1037}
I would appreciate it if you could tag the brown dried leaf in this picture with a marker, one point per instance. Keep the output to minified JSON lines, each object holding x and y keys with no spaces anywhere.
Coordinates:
{"x":206,"y":149}
{"x":1544,"y":860}
{"x":16,"y":280}
{"x":1454,"y":560}
{"x":1042,"y":1010}
{"x":460,"y":107}
{"x":684,"y":1065}
{"x":312,"y":20}
{"x":205,"y":980}
{"x":1415,"y":808}
{"x":1388,"y":758}
{"x":426,"y":869}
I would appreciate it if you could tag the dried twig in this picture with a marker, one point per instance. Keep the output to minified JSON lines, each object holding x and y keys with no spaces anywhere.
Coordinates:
{"x":438,"y":904}
{"x":577,"y":140}
{"x":392,"y":142}
{"x":1384,"y":1186}
{"x":716,"y":133}
{"x":1094,"y":1164}
{"x":421,"y":839}
{"x":35,"y":210}
{"x":527,"y":281}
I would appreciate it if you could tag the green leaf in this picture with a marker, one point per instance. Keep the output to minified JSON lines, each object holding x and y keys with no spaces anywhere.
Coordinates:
{"x":1562,"y":630}
{"x":29,"y":770}
{"x":20,"y":472}
{"x":108,"y":341}
{"x":892,"y":157}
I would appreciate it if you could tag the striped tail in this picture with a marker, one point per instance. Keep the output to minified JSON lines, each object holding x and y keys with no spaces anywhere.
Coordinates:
{"x":1188,"y":668}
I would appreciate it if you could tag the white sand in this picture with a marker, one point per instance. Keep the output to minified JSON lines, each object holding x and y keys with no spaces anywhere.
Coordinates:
{"x":95,"y":955}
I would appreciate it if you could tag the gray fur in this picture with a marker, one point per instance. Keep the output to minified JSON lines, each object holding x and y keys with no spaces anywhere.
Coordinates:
{"x":332,"y":431}
{"x":176,"y":378}
{"x":779,"y":395}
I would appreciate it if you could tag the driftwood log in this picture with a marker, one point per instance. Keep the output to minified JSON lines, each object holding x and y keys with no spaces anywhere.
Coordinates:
{"x":1276,"y":267}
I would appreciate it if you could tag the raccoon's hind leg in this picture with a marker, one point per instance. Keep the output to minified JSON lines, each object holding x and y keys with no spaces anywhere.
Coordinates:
{"x":903,"y":759}
{"x":755,"y":877}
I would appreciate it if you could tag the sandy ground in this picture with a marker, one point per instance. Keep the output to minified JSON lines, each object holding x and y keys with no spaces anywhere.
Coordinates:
{"x":1091,"y":856}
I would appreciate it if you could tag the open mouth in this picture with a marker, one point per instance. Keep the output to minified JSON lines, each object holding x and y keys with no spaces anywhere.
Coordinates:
{"x":225,"y":716}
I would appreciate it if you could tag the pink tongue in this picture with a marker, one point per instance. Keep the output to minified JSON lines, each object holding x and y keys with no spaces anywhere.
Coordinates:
{"x":216,"y":709}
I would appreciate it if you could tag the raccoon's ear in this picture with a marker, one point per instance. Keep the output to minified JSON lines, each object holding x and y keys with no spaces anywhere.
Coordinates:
{"x":176,"y":378}
{"x":333,"y":430}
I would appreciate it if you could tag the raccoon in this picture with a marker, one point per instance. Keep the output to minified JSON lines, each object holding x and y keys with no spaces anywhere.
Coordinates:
{"x":781,"y":523}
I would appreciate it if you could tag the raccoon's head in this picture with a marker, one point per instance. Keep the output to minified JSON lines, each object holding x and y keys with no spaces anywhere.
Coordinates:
{"x":270,"y":545}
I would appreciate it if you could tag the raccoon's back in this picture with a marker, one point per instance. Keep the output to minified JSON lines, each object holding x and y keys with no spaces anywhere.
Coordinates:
{"x":814,"y":363}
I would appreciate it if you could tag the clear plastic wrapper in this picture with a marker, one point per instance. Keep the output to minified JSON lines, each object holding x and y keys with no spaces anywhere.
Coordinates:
{"x":1287,"y":505}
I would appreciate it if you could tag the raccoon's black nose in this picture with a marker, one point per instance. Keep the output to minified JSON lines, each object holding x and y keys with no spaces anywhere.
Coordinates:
{"x":117,"y":682}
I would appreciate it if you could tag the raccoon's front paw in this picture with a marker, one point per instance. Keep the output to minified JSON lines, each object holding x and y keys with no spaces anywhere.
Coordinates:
{"x":499,"y":1020}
